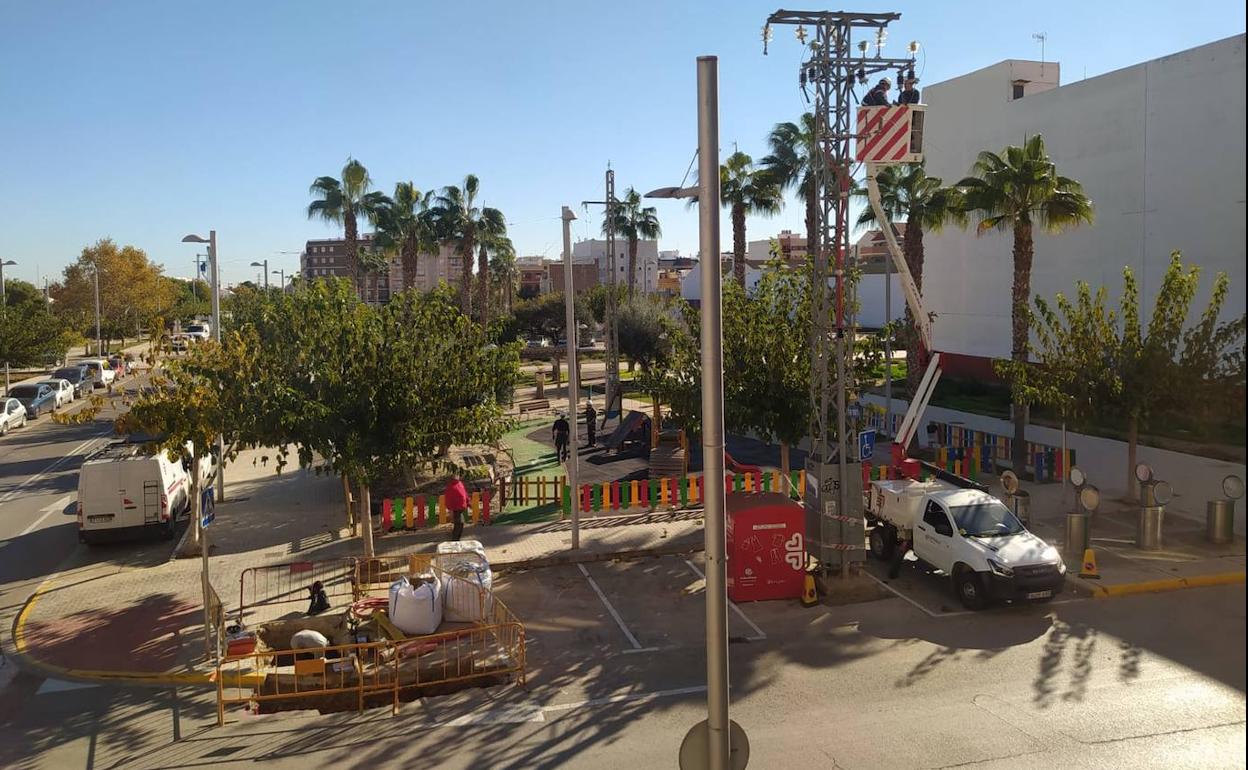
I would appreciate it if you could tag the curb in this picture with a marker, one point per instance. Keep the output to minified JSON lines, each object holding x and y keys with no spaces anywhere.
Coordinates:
{"x":1163,"y":585}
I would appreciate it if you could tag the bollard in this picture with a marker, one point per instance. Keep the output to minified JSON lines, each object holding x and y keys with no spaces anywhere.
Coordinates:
{"x":1154,"y":495}
{"x":1020,"y":505}
{"x":1220,"y":521}
{"x":1078,"y":537}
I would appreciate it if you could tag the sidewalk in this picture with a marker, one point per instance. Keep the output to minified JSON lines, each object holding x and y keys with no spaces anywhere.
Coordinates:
{"x":130,"y":612}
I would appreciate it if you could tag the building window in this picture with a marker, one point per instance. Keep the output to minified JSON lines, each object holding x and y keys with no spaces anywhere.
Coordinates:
{"x":1018,"y":91}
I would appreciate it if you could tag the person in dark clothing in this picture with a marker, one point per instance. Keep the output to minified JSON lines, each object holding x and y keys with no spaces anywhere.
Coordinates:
{"x":560,"y":433}
{"x":591,"y":422}
{"x":878,"y":96}
{"x":910,"y":93}
{"x":456,"y":497}
{"x":319,"y":600}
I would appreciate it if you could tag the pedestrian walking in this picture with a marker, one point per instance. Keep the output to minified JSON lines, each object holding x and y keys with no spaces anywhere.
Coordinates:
{"x":591,"y":421}
{"x":456,"y":497}
{"x":560,"y":432}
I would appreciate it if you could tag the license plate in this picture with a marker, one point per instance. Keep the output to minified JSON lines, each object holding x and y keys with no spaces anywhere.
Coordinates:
{"x":101,"y":517}
{"x":1039,"y":594}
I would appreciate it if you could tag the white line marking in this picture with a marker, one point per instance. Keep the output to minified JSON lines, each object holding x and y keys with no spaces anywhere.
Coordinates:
{"x":641,"y":649}
{"x":618,"y":620}
{"x":624,"y":698}
{"x":72,"y":453}
{"x":48,"y":510}
{"x":513,"y":715}
{"x":900,"y":595}
{"x":758,"y":632}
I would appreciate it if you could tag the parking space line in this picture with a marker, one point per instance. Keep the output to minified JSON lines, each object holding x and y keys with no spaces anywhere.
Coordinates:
{"x":758,"y":632}
{"x":618,"y":620}
{"x":625,"y":698}
{"x":920,"y":607}
{"x":641,"y":649}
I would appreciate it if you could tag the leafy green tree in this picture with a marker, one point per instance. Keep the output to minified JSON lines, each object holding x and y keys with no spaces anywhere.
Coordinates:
{"x":909,"y":195}
{"x":545,"y":316}
{"x":344,"y":202}
{"x":503,"y":271}
{"x":792,"y":164}
{"x":596,"y":300}
{"x":1017,"y":190}
{"x":132,"y":290}
{"x":634,"y":222}
{"x":746,"y":191}
{"x":30,"y":334}
{"x":467,"y":226}
{"x":644,"y":332}
{"x":406,"y":227}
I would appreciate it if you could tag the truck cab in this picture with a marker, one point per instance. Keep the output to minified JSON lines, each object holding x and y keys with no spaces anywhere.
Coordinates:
{"x":967,"y":534}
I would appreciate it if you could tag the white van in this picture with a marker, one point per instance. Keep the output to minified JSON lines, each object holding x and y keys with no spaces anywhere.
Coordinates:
{"x":124,"y":492}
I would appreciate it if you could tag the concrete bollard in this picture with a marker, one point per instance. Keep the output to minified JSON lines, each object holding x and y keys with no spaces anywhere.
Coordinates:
{"x":1220,"y":521}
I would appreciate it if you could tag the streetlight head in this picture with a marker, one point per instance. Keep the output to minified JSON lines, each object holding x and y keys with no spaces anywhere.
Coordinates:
{"x":8,"y":262}
{"x":568,"y":215}
{"x":194,"y":239}
{"x":258,"y":264}
{"x":673,"y":192}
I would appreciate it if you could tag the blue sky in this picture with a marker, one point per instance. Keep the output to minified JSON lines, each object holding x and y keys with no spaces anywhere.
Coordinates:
{"x":143,"y":121}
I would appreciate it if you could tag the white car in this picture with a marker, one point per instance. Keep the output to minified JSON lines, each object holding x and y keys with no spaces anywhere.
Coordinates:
{"x":199,"y":332}
{"x":103,"y":371}
{"x":12,"y":415}
{"x":62,"y":389}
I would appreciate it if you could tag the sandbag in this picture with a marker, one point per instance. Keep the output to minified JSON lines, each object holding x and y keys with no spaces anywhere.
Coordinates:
{"x":468,"y":591}
{"x":416,"y":609}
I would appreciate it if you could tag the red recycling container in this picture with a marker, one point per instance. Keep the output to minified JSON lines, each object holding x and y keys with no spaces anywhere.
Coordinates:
{"x":766,"y":547}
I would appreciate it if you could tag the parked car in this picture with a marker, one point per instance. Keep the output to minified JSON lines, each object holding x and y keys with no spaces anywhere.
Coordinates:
{"x":79,"y":377}
{"x":178,"y":343}
{"x":197,"y":332}
{"x":104,"y":374}
{"x":61,"y":389}
{"x":37,"y":398}
{"x":119,"y":365}
{"x":12,"y":415}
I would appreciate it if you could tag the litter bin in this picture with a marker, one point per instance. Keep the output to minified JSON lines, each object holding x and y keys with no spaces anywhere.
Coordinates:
{"x":1020,"y":504}
{"x":1078,"y":534}
{"x":1220,"y":521}
{"x":1148,"y":529}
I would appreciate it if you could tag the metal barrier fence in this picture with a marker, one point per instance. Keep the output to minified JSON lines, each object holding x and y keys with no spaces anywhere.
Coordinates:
{"x":287,"y":583}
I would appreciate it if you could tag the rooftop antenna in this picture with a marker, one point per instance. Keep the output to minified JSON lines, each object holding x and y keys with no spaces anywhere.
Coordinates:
{"x":1040,"y":37}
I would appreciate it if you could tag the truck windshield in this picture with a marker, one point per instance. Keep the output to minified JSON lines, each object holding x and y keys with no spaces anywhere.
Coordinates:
{"x":989,"y":519}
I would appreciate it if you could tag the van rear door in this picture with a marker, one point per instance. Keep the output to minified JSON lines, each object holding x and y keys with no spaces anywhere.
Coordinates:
{"x":100,"y":495}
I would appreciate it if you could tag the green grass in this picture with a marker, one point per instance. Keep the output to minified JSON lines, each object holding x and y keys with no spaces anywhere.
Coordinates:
{"x":534,"y":515}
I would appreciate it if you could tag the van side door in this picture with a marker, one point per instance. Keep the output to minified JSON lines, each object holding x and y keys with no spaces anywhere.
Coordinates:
{"x":933,"y":537}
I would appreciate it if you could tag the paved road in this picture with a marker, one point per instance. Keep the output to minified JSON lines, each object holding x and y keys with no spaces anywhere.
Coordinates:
{"x":616,"y":670}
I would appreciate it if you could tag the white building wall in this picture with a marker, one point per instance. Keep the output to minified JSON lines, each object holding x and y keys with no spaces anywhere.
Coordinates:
{"x":647,"y":261}
{"x":1159,"y":148}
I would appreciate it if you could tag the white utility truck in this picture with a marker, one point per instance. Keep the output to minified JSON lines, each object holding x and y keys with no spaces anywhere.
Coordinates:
{"x":965,"y":533}
{"x":124,"y":492}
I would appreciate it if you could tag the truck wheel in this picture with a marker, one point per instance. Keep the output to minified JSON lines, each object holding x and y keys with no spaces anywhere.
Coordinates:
{"x":970,"y":589}
{"x":883,"y":541}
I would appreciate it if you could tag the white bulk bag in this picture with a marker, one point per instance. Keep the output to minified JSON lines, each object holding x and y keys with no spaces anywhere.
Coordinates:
{"x":416,"y":609}
{"x":468,"y":591}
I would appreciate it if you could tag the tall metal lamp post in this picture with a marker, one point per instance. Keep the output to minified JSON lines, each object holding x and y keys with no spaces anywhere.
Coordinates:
{"x":215,"y":275}
{"x":717,"y":743}
{"x":265,"y":266}
{"x":4,"y":308}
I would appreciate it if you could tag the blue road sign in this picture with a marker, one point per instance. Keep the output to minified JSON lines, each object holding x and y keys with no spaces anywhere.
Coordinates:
{"x":866,"y":445}
{"x":207,"y":510}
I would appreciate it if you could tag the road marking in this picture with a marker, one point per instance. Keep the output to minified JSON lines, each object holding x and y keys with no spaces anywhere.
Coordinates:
{"x":47,"y":511}
{"x":505,"y":715}
{"x":758,"y":632}
{"x":624,"y":698}
{"x":921,"y":608}
{"x":618,"y":620}
{"x":72,"y":453}
{"x":641,"y":649}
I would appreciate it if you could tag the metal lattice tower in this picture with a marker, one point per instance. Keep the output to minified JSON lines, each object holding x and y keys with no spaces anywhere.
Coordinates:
{"x":831,"y":70}
{"x":613,"y":330}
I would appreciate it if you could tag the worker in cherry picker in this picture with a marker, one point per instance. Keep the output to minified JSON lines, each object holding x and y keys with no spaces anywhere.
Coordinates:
{"x":910,"y":92}
{"x":878,"y":96}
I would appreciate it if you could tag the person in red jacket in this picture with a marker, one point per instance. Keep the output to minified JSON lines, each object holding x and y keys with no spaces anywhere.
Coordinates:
{"x":456,"y":496}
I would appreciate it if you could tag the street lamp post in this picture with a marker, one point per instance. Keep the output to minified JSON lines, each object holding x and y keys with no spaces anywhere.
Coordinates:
{"x":4,"y":308}
{"x":712,"y":745}
{"x":215,"y":275}
{"x":265,"y":265}
{"x":571,"y":336}
{"x":99,"y":340}
{"x":281,"y":278}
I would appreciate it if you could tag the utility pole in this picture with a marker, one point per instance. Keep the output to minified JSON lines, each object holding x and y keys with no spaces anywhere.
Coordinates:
{"x":4,"y":308}
{"x":888,"y":343}
{"x":571,"y":335}
{"x":99,"y":342}
{"x":613,"y":330}
{"x":830,"y":69}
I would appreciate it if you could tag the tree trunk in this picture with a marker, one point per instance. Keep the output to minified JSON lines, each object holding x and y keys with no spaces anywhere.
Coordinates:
{"x":410,"y":257}
{"x":465,"y":274}
{"x":738,"y":243}
{"x":483,"y":286}
{"x":1133,"y":437}
{"x":366,"y":520}
{"x":196,"y":529}
{"x":352,"y":235}
{"x":915,"y":359}
{"x":654,"y":424}
{"x":1021,"y":325}
{"x":784,"y":467}
{"x":346,"y":501}
{"x":632,"y":265}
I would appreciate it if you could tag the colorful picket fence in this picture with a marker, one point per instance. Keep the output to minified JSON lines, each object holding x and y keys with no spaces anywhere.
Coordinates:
{"x":421,"y":511}
{"x":681,"y":492}
{"x":887,"y":424}
{"x":969,"y":452}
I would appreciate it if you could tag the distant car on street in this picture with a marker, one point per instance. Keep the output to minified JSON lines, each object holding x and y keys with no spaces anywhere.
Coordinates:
{"x":104,"y":374}
{"x":37,"y":398}
{"x":12,"y":415}
{"x":61,"y":389}
{"x":178,"y":343}
{"x":199,"y":332}
{"x":77,"y":376}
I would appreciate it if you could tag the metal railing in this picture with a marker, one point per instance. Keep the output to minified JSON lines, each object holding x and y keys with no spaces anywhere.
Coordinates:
{"x":288,"y":583}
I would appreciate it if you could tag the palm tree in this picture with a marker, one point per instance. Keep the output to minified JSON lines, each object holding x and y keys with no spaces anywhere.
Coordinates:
{"x":1016,"y":190}
{"x":746,"y":190}
{"x":634,"y":222}
{"x":405,"y":227}
{"x":908,"y":194}
{"x":464,"y":225}
{"x":792,"y":164}
{"x":343,"y":202}
{"x":503,"y":272}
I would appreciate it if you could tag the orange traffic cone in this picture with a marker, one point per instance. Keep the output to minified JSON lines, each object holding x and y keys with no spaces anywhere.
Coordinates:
{"x":810,"y":594}
{"x":1089,"y":565}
